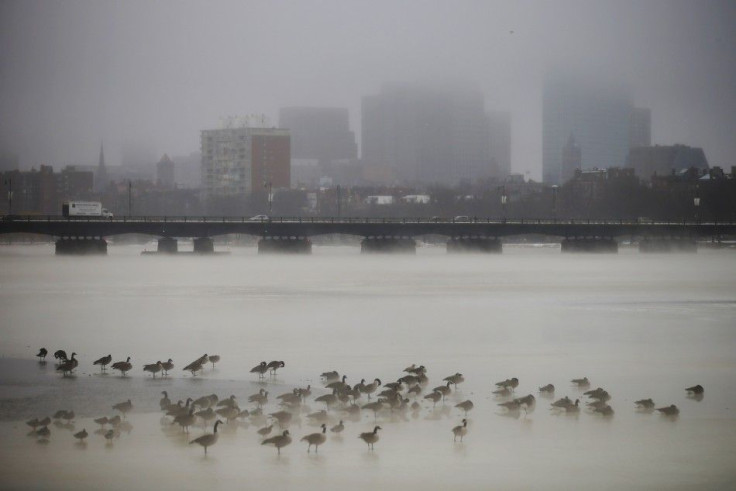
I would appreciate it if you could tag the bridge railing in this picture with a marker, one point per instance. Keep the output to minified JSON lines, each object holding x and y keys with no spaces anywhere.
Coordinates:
{"x":358,"y":220}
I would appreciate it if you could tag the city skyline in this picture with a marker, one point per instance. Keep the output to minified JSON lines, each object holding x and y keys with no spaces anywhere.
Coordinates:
{"x":141,"y":75}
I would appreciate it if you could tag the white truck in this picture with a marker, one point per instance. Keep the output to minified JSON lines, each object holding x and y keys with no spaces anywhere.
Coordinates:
{"x":84,"y":209}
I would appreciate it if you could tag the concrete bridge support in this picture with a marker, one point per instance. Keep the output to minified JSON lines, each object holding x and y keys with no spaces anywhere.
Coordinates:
{"x":285,"y":245}
{"x":474,"y":244}
{"x":167,"y":245}
{"x":80,"y":246}
{"x":588,"y":244}
{"x":671,"y":244}
{"x":204,"y":245}
{"x":401,"y":245}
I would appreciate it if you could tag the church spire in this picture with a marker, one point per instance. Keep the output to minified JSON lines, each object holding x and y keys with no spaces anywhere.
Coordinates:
{"x":102,"y":157}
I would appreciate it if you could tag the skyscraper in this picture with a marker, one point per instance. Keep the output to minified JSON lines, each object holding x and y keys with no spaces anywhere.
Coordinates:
{"x":426,"y":135}
{"x":101,"y":177}
{"x":640,"y":127}
{"x":596,"y":113}
{"x":319,"y":133}
{"x":500,"y":142}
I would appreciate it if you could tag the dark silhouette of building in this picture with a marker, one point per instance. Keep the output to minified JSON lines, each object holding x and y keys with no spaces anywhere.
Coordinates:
{"x":165,"y":172}
{"x":665,"y":160}
{"x":500,"y":142}
{"x":102,"y":179}
{"x":640,"y":127}
{"x":319,"y":133}
{"x":572,"y":159}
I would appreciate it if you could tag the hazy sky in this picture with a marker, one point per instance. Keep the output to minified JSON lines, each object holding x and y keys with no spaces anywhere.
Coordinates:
{"x":153,"y":73}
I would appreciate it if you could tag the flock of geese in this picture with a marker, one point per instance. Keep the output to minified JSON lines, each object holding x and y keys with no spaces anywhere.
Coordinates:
{"x":342,"y":402}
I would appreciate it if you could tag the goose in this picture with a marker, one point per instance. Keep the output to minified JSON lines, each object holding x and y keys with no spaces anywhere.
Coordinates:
{"x":466,"y":406}
{"x":68,"y":416}
{"x":282,"y":417}
{"x":514,"y":405}
{"x":206,"y":415}
{"x":42,"y":354}
{"x":165,"y":402}
{"x":328,"y":399}
{"x":175,"y":409}
{"x":123,"y":407}
{"x":109,"y":436}
{"x":395,"y":386}
{"x":330,"y":376}
{"x":195,"y":366}
{"x":209,"y":439}
{"x":102,"y":421}
{"x":509,"y":383}
{"x":68,"y":366}
{"x":33,"y":423}
{"x":337,"y":385}
{"x":573,"y":408}
{"x":669,"y":410}
{"x":597,"y":404}
{"x":260,"y":398}
{"x":645,"y":403}
{"x":371,"y":388}
{"x":598,"y":393}
{"x":375,"y":407}
{"x":154,"y":368}
{"x":455,"y":379}
{"x":45,"y":421}
{"x":115,"y":420}
{"x":423,"y":380}
{"x":185,"y":420}
{"x":370,"y":437}
{"x":434,"y":396}
{"x":409,"y":380}
{"x":562,"y":403}
{"x":460,"y":431}
{"x":606,"y":410}
{"x":502,"y":392}
{"x":317,"y":416}
{"x":103,"y":362}
{"x":416,"y":370}
{"x":44,"y":432}
{"x":265,"y":431}
{"x":304,"y":393}
{"x":338,"y":428}
{"x":415,"y":390}
{"x":229,"y":402}
{"x":527,"y":400}
{"x":203,"y":402}
{"x":581,"y":382}
{"x":123,"y":366}
{"x":260,"y":369}
{"x":278,"y":441}
{"x":167,"y":365}
{"x":60,"y":355}
{"x":695,"y":389}
{"x":59,"y":414}
{"x":292,"y":398}
{"x":81,"y":435}
{"x":547,"y":389}
{"x":213,"y":359}
{"x":316,"y":439}
{"x":275,"y":365}
{"x":229,"y":412}
{"x":443,"y":390}
{"x":411,"y":368}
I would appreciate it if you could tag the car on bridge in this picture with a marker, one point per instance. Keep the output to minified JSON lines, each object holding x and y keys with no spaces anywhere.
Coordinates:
{"x":259,"y":218}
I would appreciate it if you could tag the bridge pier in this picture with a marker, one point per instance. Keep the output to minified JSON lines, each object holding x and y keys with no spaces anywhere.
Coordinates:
{"x":671,"y":244}
{"x":589,"y":244}
{"x":474,"y":244}
{"x":288,"y":245}
{"x":167,"y":245}
{"x":80,"y":246}
{"x":399,"y":245}
{"x":203,"y":245}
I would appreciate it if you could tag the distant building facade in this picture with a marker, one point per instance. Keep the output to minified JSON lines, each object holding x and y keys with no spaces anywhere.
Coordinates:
{"x":640,"y":127}
{"x":423,"y":135}
{"x":42,"y":191}
{"x":165,"y":172}
{"x":597,"y":114}
{"x":663,"y":160}
{"x":102,"y":179}
{"x":500,"y":142}
{"x":239,"y":161}
{"x":572,"y":159}
{"x":319,"y":133}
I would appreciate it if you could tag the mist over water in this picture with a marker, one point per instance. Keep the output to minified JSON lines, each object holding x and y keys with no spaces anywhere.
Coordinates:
{"x":638,"y":325}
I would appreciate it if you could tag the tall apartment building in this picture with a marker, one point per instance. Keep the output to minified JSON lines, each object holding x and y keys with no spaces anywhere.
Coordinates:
{"x":319,"y":133}
{"x":425,"y":135}
{"x":500,"y":142}
{"x":165,"y":172}
{"x":598,"y":114}
{"x":239,"y":161}
{"x":640,"y":127}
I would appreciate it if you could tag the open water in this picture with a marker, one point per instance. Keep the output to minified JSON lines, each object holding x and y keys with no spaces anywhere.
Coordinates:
{"x":638,"y":325}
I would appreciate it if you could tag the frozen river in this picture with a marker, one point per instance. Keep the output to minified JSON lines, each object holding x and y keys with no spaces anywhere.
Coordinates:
{"x":637,"y":325}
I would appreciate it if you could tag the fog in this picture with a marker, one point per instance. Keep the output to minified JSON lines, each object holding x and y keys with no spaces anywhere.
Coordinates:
{"x":152,"y":74}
